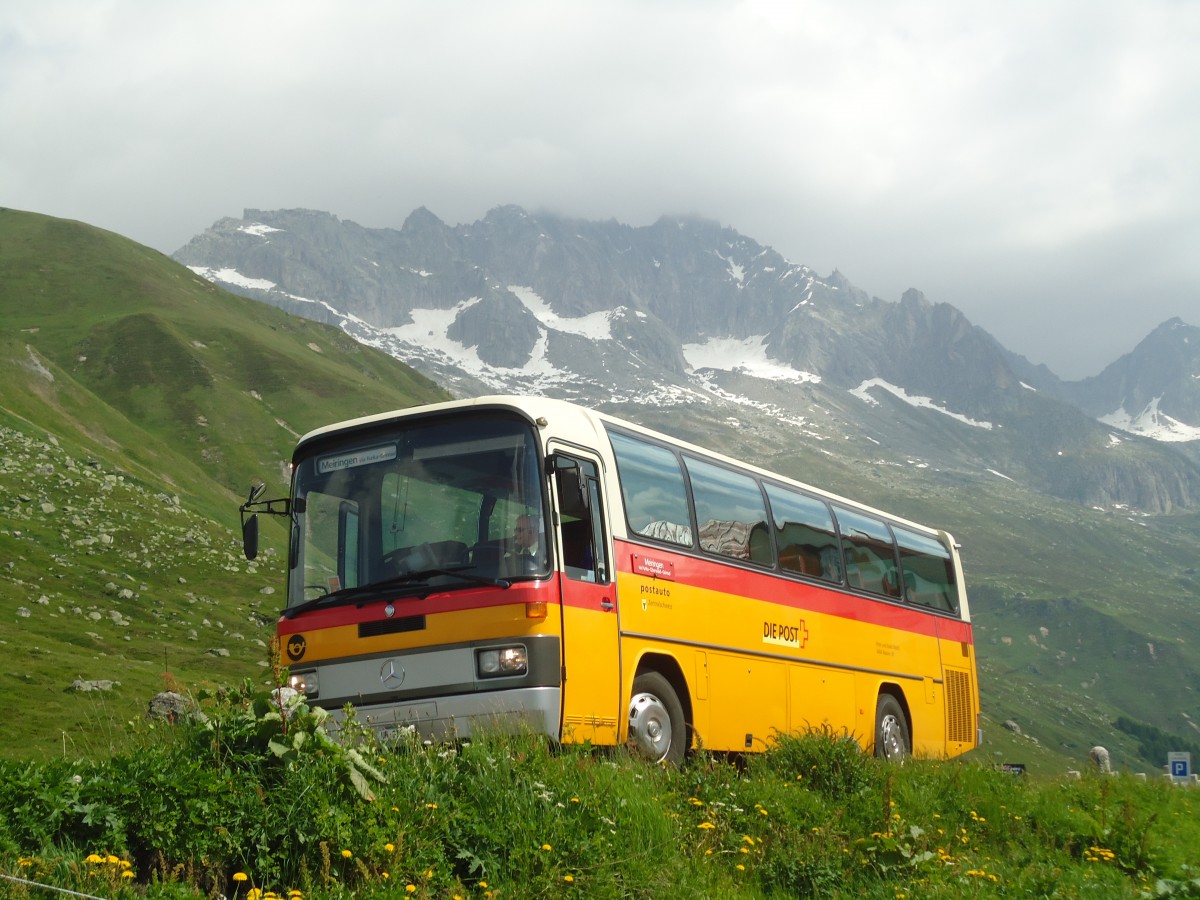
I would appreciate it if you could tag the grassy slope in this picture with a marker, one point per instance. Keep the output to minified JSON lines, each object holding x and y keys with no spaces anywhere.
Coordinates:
{"x":126,"y":382}
{"x":131,"y":361}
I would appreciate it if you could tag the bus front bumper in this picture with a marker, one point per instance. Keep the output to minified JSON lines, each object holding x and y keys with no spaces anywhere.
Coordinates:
{"x":460,"y":717}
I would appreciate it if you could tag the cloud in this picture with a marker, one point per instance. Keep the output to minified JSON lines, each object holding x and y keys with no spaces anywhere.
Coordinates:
{"x":1024,"y":161}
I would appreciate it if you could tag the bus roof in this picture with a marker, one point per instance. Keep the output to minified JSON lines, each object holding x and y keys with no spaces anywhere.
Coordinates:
{"x":544,"y":410}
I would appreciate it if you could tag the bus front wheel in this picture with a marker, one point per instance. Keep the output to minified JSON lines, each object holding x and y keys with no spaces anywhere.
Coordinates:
{"x":656,"y":726}
{"x":892,"y":740}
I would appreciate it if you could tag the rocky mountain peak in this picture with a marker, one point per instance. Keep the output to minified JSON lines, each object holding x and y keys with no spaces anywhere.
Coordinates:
{"x":688,"y":311}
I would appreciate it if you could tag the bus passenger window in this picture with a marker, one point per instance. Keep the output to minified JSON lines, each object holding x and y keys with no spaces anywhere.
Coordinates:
{"x":928,"y":571}
{"x":652,"y":487}
{"x":804,"y":533}
{"x":730,"y":513}
{"x":869,"y":553}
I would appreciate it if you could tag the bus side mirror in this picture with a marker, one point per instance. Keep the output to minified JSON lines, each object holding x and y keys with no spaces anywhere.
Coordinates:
{"x":281,"y":506}
{"x":250,"y":536}
{"x":250,"y":523}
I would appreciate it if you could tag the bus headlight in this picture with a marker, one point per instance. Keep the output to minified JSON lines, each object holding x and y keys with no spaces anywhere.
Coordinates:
{"x":306,"y":682}
{"x":498,"y":662}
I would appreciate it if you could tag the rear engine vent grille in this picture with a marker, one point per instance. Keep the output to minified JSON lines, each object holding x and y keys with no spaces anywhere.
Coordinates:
{"x":960,"y":717}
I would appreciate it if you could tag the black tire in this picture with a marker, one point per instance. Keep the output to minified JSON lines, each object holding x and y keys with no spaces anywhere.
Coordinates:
{"x":657,"y":729}
{"x":893,"y":739}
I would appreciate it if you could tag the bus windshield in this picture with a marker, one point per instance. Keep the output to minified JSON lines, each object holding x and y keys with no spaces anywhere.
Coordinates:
{"x":433,"y":505}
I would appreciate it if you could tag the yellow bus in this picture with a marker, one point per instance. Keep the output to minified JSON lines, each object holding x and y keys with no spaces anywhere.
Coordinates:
{"x":527,"y":563}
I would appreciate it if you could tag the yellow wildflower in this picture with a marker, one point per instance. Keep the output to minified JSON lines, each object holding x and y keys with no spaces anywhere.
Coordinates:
{"x":389,"y":847}
{"x":547,"y":847}
{"x":346,"y":854}
{"x":569,"y":878}
{"x":410,"y":888}
{"x":240,"y":876}
{"x":706,"y":825}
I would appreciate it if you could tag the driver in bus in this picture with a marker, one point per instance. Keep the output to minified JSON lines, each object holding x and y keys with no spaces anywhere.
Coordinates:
{"x":525,"y":538}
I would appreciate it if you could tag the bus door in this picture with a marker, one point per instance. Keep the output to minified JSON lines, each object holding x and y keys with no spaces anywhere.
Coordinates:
{"x":591,"y":687}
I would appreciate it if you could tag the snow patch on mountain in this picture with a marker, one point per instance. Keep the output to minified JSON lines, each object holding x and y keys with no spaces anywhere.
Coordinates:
{"x":746,"y":356}
{"x":736,"y":272}
{"x":1153,"y":423}
{"x":428,"y":332}
{"x":234,"y":277}
{"x":258,"y":229}
{"x":780,"y":415}
{"x":862,"y":392}
{"x":596,"y":326}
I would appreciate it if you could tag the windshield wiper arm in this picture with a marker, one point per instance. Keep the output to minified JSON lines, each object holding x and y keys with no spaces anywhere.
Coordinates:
{"x":369,"y":591}
{"x":458,"y":572}
{"x":335,"y":599}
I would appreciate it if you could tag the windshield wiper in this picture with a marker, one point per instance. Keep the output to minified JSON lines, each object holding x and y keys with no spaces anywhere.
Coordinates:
{"x":458,"y":572}
{"x":414,"y":580}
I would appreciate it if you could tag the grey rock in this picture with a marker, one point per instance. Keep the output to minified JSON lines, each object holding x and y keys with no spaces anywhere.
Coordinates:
{"x":82,"y":686}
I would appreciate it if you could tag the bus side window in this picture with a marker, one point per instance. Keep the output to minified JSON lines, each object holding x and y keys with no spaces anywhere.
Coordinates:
{"x":730,"y":512}
{"x":804,"y":534}
{"x":653,"y":489}
{"x":581,"y":521}
{"x":927,"y":569}
{"x":869,"y":553}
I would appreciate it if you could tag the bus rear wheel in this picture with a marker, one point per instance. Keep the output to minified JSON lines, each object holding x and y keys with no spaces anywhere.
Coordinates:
{"x":656,"y":726}
{"x":892,"y":738}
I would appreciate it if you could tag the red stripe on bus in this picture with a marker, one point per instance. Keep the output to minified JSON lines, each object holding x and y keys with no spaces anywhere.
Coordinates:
{"x":434,"y":604}
{"x":769,"y":587}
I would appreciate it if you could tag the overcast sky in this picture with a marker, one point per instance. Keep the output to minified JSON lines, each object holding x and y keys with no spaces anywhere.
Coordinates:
{"x":1035,"y":163}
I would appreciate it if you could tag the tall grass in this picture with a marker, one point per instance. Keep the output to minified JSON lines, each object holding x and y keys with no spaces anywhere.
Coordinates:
{"x":239,"y":799}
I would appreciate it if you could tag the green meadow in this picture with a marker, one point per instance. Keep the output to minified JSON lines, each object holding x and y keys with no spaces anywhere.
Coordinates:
{"x":237,"y":800}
